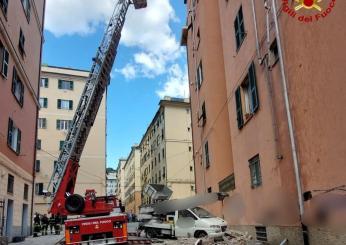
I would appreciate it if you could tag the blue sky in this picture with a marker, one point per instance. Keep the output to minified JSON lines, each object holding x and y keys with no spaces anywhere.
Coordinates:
{"x":150,"y":63}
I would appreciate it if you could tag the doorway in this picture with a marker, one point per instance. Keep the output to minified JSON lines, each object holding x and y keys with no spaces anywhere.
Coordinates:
{"x":9,"y":219}
{"x":25,"y":220}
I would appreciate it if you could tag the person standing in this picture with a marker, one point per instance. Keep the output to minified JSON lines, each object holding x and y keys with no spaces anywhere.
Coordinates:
{"x":45,"y":223}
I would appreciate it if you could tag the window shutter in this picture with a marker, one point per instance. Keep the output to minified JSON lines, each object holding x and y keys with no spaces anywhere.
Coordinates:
{"x":239,"y":109}
{"x":71,"y":85}
{"x":45,"y":102}
{"x":9,"y":132}
{"x":253,"y":88}
{"x":21,"y":94}
{"x":58,"y":124}
{"x":71,"y":105}
{"x":38,"y":166}
{"x":44,"y":123}
{"x":2,"y":57}
{"x":19,"y":141}
{"x":59,"y":102}
{"x":46,"y":82}
{"x":14,"y":80}
{"x":59,"y":84}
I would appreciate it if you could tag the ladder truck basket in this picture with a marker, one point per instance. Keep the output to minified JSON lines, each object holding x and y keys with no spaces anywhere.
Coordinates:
{"x":139,"y":4}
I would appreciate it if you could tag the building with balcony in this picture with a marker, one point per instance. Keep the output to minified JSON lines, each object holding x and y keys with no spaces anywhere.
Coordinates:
{"x":21,"y":39}
{"x":60,"y":92}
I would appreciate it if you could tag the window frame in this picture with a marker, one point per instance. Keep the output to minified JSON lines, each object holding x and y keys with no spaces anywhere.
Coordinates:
{"x":255,"y":172}
{"x":27,"y":9}
{"x":62,"y":84}
{"x":60,"y":103}
{"x":38,"y":166}
{"x":21,"y":43}
{"x":4,"y":61}
{"x":10,"y":184}
{"x":42,"y":123}
{"x":15,"y":81}
{"x":3,"y":7}
{"x":10,"y":134}
{"x":206,"y":151}
{"x":239,"y":28}
{"x":44,"y":82}
{"x":26,"y":192}
{"x":199,"y":75}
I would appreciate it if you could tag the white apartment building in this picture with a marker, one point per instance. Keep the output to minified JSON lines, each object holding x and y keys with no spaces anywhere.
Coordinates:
{"x":60,"y":92}
{"x":166,"y":149}
{"x":133,"y":180}
{"x":112,"y":183}
{"x":121,"y":180}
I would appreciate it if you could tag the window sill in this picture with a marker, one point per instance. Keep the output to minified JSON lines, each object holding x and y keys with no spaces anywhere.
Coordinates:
{"x":10,"y":193}
{"x":18,"y":101}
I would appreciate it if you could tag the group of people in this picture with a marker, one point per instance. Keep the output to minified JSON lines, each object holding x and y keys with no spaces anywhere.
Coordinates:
{"x":42,"y":222}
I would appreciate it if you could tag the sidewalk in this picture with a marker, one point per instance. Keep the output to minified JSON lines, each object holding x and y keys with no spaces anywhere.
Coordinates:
{"x":42,"y":240}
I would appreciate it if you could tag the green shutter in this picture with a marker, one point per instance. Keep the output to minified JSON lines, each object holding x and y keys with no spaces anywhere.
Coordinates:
{"x":9,"y":132}
{"x":45,"y":102}
{"x":71,"y":105}
{"x":59,"y":84}
{"x":14,"y":80}
{"x":46,"y":82}
{"x":21,"y":93}
{"x":19,"y":141}
{"x":71,"y":85}
{"x":59,"y":103}
{"x":239,"y":109}
{"x":253,"y":88}
{"x":58,"y":124}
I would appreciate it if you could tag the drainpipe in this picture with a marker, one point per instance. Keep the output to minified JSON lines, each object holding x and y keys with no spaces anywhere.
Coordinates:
{"x":36,"y":130}
{"x":296,"y":162}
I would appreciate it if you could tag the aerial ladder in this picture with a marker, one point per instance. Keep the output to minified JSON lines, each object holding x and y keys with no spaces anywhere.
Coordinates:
{"x":95,"y":221}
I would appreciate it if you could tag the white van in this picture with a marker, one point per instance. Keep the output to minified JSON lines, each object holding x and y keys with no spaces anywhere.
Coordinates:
{"x":192,"y":222}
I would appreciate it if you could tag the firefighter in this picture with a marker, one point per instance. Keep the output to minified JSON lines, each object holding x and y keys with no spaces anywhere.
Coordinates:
{"x":37,"y":225}
{"x":45,"y":223}
{"x":51,"y":224}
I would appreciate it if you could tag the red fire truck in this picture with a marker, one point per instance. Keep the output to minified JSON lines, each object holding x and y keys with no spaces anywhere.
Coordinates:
{"x":96,"y":220}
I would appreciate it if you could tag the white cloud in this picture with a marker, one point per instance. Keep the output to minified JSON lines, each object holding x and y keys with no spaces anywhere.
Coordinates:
{"x":129,"y":71}
{"x":66,"y":17}
{"x":177,"y":84}
{"x":147,"y":30}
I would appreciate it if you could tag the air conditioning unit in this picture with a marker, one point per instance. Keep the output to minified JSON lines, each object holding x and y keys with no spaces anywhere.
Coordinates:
{"x":139,"y":4}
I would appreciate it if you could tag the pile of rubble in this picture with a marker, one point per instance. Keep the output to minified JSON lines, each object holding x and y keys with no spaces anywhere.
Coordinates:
{"x":231,"y":237}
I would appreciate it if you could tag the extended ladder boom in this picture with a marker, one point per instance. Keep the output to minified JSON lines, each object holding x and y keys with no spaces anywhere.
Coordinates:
{"x":64,"y":176}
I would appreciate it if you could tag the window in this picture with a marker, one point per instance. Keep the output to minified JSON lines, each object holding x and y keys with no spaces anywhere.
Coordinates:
{"x":255,"y":172}
{"x":227,"y":184}
{"x":206,"y":155}
{"x":192,"y":188}
{"x":61,"y":144}
{"x":39,"y":189}
{"x":239,"y":28}
{"x":38,"y":144}
{"x":54,"y":164}
{"x":17,"y":88}
{"x":10,"y":183}
{"x":63,"y":84}
{"x":163,"y":173}
{"x":261,"y":233}
{"x":21,"y":42}
{"x":159,"y":157}
{"x":209,"y":190}
{"x":44,"y":83}
{"x":27,"y":7}
{"x":155,"y":161}
{"x":38,"y":166}
{"x":246,"y":97}
{"x":63,"y":124}
{"x":26,"y":192}
{"x":4,"y":5}
{"x":13,"y":136}
{"x":163,"y":153}
{"x":44,"y":102}
{"x":42,"y":123}
{"x":190,"y":148}
{"x":186,"y":214}
{"x":203,"y":117}
{"x":159,"y":175}
{"x":199,"y":75}
{"x":274,"y":53}
{"x":4,"y":59}
{"x":191,"y":168}
{"x":65,"y":104}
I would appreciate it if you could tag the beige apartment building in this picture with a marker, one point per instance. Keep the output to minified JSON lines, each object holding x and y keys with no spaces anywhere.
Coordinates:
{"x":284,"y":97}
{"x":121,"y":180}
{"x":21,"y":38}
{"x":60,"y":92}
{"x":132,"y":181}
{"x":166,"y":149}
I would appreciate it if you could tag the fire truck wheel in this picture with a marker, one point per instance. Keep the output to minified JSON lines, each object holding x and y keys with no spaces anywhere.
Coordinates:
{"x":74,"y":203}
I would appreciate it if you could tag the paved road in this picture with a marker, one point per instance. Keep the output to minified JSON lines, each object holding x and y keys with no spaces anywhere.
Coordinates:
{"x":42,"y":240}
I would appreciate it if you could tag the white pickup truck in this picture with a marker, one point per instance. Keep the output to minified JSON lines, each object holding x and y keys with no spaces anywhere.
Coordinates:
{"x":193,"y":222}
